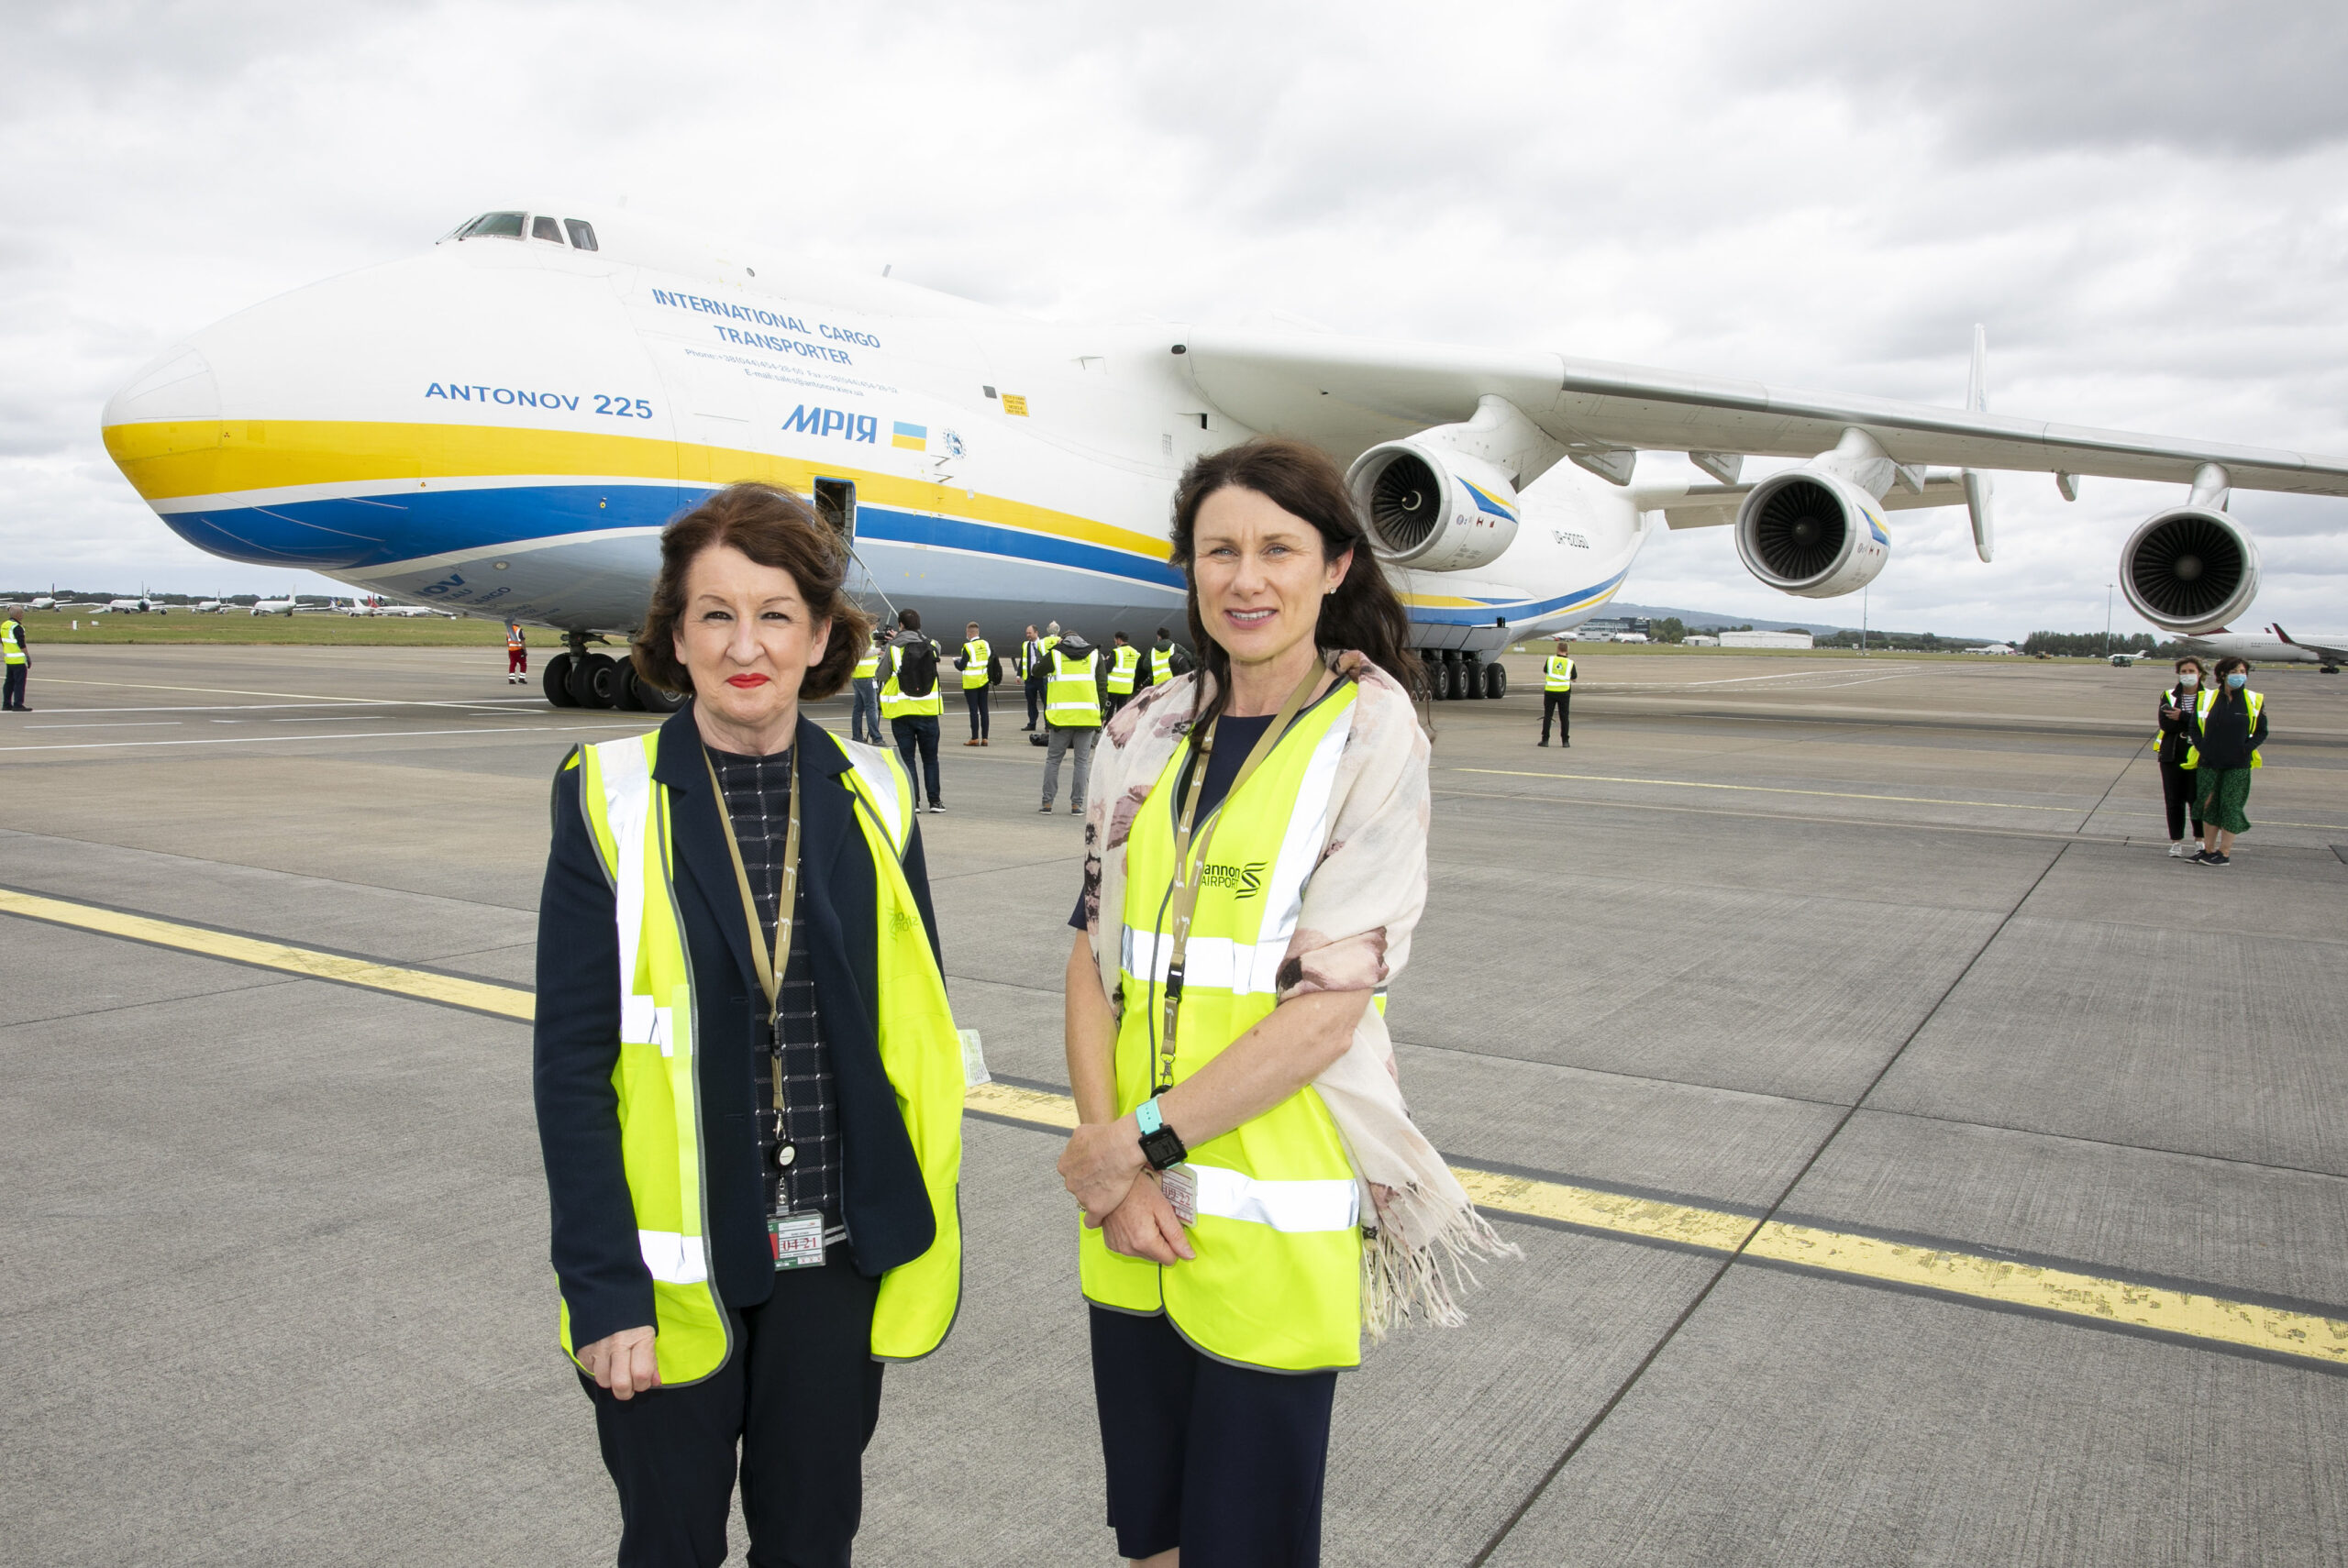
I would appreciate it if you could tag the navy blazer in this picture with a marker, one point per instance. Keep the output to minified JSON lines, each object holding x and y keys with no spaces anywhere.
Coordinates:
{"x":887,"y":1211}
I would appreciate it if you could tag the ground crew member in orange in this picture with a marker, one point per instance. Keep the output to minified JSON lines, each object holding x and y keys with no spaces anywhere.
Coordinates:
{"x":517,"y":655}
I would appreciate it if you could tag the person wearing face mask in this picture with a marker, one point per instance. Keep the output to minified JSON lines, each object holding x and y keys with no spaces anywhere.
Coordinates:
{"x":2171,"y":742}
{"x":1255,"y":1196}
{"x":749,"y":1083}
{"x":2229,"y":726}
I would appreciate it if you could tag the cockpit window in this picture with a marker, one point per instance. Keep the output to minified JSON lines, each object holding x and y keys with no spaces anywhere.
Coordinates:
{"x":494,"y":226}
{"x":546,"y":228}
{"x":582,"y":233}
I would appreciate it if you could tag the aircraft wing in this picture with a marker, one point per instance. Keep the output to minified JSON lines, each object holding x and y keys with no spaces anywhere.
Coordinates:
{"x":1348,"y":395}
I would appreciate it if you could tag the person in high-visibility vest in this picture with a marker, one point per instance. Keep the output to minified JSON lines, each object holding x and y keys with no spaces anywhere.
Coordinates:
{"x":517,"y":655}
{"x":1026,"y":664}
{"x":1167,"y":658}
{"x":754,"y":1204}
{"x":864,"y":692}
{"x":978,"y":658}
{"x":1074,"y":672}
{"x":1124,"y":672}
{"x":1254,"y":1192}
{"x":914,"y":715}
{"x":2172,"y":738}
{"x":19,"y":661}
{"x":2229,"y":726}
{"x":1558,"y":693}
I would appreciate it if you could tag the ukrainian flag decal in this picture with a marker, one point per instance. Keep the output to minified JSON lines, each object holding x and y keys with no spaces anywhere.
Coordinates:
{"x":913,"y":437}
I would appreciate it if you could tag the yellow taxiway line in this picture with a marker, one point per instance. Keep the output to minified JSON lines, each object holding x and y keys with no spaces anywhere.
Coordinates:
{"x":1848,"y":1255}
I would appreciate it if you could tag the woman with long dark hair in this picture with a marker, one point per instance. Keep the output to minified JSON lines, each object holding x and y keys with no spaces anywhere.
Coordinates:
{"x":1254,"y":1194}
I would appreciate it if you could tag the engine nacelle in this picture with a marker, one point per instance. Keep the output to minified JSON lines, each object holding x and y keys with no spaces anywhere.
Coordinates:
{"x":1432,"y":510}
{"x":2189,"y":571}
{"x":1811,"y":533}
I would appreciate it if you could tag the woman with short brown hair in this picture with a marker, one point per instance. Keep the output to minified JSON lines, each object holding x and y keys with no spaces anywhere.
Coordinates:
{"x":748,"y":1082}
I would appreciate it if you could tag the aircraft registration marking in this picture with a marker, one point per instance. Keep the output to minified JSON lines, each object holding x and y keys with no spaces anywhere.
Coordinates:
{"x":1939,"y":1270}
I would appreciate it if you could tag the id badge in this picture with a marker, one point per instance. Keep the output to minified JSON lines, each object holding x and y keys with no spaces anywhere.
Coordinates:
{"x":1182,"y":1189}
{"x":797,"y":1239}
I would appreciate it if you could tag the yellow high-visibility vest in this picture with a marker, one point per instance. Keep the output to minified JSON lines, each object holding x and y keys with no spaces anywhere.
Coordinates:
{"x":1560,"y":673}
{"x":1277,"y":1282}
{"x":895,"y":704}
{"x":1125,"y":664}
{"x":975,"y":655}
{"x":660,"y":1100}
{"x":868,"y":667}
{"x":12,"y":641}
{"x":2254,"y":702}
{"x":1071,"y":696}
{"x":1161,"y":666}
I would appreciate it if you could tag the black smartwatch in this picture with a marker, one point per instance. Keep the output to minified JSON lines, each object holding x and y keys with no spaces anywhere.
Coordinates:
{"x":1160,"y":1145}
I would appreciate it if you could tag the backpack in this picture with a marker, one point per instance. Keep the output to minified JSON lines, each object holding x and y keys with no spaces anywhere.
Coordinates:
{"x":994,"y":670}
{"x":918,"y":669}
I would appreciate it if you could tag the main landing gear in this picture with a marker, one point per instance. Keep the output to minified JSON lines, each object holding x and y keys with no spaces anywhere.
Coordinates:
{"x":1454,"y":676}
{"x":580,"y":679}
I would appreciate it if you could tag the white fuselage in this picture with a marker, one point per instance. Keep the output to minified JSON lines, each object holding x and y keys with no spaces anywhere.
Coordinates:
{"x":501,"y":427}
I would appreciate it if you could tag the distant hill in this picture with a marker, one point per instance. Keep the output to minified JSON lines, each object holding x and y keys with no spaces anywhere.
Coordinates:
{"x":1705,"y":620}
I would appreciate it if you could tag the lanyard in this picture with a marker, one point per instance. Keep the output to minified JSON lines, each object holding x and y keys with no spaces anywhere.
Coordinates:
{"x":785,"y":904}
{"x":1190,"y":872}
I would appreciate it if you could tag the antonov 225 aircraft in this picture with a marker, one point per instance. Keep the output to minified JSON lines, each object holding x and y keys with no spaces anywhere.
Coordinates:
{"x":500,"y":426}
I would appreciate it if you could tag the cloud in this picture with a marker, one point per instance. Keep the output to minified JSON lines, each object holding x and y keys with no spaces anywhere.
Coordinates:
{"x":2138,"y":206}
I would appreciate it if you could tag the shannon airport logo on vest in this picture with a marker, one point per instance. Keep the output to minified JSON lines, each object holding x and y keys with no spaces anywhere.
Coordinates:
{"x":1248,"y":879}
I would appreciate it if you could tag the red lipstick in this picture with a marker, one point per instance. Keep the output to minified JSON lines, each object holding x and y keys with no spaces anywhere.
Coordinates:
{"x":746,"y":681}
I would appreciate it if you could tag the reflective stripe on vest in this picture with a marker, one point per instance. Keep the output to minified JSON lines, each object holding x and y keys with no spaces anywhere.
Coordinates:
{"x":1560,"y":673}
{"x":975,"y":655}
{"x":1125,"y":664}
{"x":868,"y":667}
{"x":1071,"y":697}
{"x":1161,"y":666}
{"x":2254,"y":702}
{"x":1277,"y":1282}
{"x":895,"y":704}
{"x":659,"y":1092}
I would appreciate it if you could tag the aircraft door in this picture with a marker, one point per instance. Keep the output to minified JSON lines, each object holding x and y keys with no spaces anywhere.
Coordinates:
{"x":835,"y":504}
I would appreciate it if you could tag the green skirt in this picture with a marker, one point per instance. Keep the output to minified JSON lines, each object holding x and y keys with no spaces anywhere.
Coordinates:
{"x":2223,"y":790}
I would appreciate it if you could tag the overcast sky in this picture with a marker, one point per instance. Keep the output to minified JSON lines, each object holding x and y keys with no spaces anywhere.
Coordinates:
{"x":2147,"y":204}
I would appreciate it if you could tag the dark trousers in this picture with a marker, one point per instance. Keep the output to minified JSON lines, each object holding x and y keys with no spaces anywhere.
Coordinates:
{"x":1561,"y":704}
{"x":1224,"y":1461}
{"x":1117,"y":701}
{"x":801,"y":1394}
{"x":864,"y":711}
{"x":982,"y":711}
{"x":919,"y":732}
{"x":2177,"y":793}
{"x":1034,"y":699}
{"x":12,"y":690}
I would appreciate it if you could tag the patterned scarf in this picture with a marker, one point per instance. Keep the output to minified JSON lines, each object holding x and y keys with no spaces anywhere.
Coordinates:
{"x":1361,"y":904}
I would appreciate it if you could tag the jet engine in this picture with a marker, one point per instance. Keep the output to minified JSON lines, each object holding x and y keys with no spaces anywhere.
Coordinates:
{"x":1433,"y":510}
{"x":1811,"y":533}
{"x":2189,"y":571}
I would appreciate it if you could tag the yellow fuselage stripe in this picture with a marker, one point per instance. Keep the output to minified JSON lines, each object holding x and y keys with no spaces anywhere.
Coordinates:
{"x":1850,"y":1254}
{"x":177,"y":460}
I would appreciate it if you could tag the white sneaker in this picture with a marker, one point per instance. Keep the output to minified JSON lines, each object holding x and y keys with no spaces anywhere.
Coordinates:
{"x":2176,"y":850}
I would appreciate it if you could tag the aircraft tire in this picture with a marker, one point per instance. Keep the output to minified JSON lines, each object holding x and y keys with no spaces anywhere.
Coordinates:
{"x":593,"y":681}
{"x":556,"y":681}
{"x":1452,"y":686}
{"x":1495,"y":680}
{"x":1471,"y":680}
{"x":626,"y":695}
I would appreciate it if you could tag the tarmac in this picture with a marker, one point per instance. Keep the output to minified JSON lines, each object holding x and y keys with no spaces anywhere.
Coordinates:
{"x":1912,"y":1164}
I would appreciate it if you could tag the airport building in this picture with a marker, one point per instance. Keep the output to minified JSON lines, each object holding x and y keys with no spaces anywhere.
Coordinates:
{"x":1766,"y":640}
